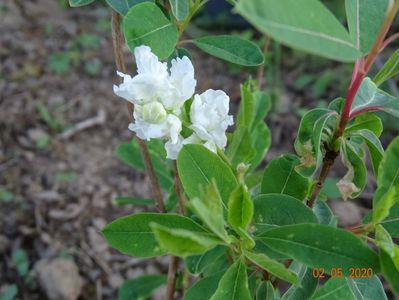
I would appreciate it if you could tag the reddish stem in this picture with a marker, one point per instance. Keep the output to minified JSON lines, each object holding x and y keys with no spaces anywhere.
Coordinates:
{"x":361,"y":72}
{"x":364,"y":110}
{"x":389,"y":40}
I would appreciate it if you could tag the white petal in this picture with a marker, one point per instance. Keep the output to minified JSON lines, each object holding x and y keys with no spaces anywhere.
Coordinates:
{"x":182,"y":78}
{"x":123,"y":89}
{"x":201,"y":132}
{"x":148,"y":63}
{"x":147,"y":131}
{"x":146,"y":87}
{"x":174,"y":127}
{"x":210,"y":119}
{"x":173,"y":149}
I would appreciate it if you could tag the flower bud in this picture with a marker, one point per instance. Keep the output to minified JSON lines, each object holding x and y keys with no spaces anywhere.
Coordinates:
{"x":153,"y":112}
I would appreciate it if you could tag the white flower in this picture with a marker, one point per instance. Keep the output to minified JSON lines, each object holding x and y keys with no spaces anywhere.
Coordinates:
{"x":154,"y":83}
{"x":210,"y":119}
{"x":168,"y":129}
{"x":152,"y":112}
{"x":181,"y":83}
{"x":151,"y":81}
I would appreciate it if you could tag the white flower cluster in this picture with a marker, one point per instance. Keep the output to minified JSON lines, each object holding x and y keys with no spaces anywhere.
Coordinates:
{"x":159,"y":95}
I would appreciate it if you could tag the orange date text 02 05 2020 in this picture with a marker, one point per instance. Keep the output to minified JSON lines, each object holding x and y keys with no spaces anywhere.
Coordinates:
{"x":339,"y":272}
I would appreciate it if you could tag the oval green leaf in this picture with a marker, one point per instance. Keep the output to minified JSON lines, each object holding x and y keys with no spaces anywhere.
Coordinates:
{"x":272,"y":266}
{"x":146,"y":24}
{"x":141,"y":287}
{"x":233,"y":49}
{"x":280,"y":177}
{"x":234,"y":284}
{"x":275,"y":210}
{"x":133,"y":235}
{"x":303,"y":24}
{"x":365,"y":18}
{"x":311,"y":244}
{"x":123,"y":6}
{"x":197,"y":167}
{"x":180,"y":9}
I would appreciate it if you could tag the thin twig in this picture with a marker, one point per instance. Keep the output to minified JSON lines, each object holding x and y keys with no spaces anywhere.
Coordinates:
{"x":328,"y":162}
{"x":261,"y":69}
{"x":171,"y":283}
{"x":117,"y":39}
{"x":99,"y":119}
{"x":178,"y":189}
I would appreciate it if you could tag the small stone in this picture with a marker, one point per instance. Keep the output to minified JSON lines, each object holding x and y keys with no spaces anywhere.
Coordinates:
{"x":36,"y":134}
{"x":59,"y":279}
{"x":115,"y":280}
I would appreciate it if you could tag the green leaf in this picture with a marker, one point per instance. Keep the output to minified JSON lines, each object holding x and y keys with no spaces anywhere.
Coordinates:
{"x":132,"y":234}
{"x":240,"y":208}
{"x":9,"y":293}
{"x":123,"y":6}
{"x":311,"y":244}
{"x":334,"y":288}
{"x":306,"y":286}
{"x":129,"y":153}
{"x":275,"y":210}
{"x":272,"y":266}
{"x":231,"y":48}
{"x":309,"y":140}
{"x":240,"y":150}
{"x":365,"y":19}
{"x":368,"y":121}
{"x":77,"y":3}
{"x":391,"y":223}
{"x":200,"y":263}
{"x":141,"y":287}
{"x":370,"y":97}
{"x":234,"y":284}
{"x":388,"y":174}
{"x":254,"y":106}
{"x":383,"y":206}
{"x":390,"y":272}
{"x":145,"y":24}
{"x":385,"y":242}
{"x":280,"y":177}
{"x":303,"y":24}
{"x":374,"y":146}
{"x":367,"y":288}
{"x":389,"y":70}
{"x":198,"y":166}
{"x":209,"y":208}
{"x":354,"y":181}
{"x":182,"y":242}
{"x":253,"y":110}
{"x":133,"y":201}
{"x":324,"y":214}
{"x":330,"y":189}
{"x":203,"y":288}
{"x":265,"y":291}
{"x":245,"y":116}
{"x":262,"y":138}
{"x":180,"y":8}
